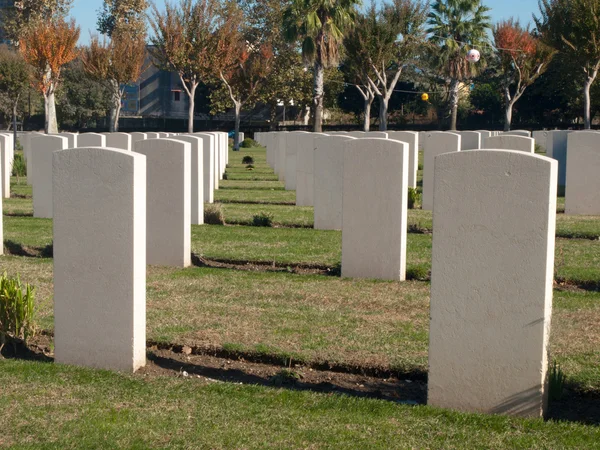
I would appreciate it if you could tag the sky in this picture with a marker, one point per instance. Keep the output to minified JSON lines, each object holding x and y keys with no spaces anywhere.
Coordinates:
{"x":85,"y":12}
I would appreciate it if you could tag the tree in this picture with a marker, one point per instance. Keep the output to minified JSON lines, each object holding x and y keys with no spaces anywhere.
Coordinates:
{"x":320,"y":26}
{"x":14,"y":79}
{"x":26,"y":14}
{"x":48,"y":47}
{"x":387,"y":40}
{"x":121,"y":15}
{"x":522,"y":59}
{"x":81,"y":99}
{"x":190,"y":39}
{"x":573,"y":28}
{"x":117,"y":64}
{"x":457,"y":26}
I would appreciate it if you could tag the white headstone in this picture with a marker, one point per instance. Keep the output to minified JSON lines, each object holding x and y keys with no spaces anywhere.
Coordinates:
{"x":100,"y":258}
{"x":42,"y":148}
{"x":583,"y":173}
{"x":523,"y":133}
{"x":374,"y":212}
{"x":412,"y":139}
{"x":197,"y":177}
{"x":329,"y":181}
{"x":470,"y":140}
{"x":208,"y":166}
{"x":122,"y":141}
{"x":72,"y":139}
{"x":6,"y":162}
{"x":436,"y":143}
{"x":491,"y":286}
{"x":556,"y":147}
{"x":510,"y":142}
{"x":305,"y":163}
{"x":168,"y":191}
{"x":135,"y":136}
{"x":91,"y":140}
{"x":152,"y":135}
{"x":291,"y":159}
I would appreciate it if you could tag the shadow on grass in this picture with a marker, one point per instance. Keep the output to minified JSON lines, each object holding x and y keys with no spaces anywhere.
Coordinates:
{"x":18,"y":214}
{"x":17,"y":249}
{"x":400,"y":391}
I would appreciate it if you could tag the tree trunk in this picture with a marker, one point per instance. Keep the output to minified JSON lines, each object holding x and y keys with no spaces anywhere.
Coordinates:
{"x":454,"y":97}
{"x":50,"y":125}
{"x":587,"y":116}
{"x":318,"y":94}
{"x":192,"y":97}
{"x":115,"y":109}
{"x":367,"y":121}
{"x":236,"y":138}
{"x":383,"y":112}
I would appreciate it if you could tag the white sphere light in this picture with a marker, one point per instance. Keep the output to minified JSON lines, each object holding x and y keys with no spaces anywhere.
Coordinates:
{"x":473,"y":56}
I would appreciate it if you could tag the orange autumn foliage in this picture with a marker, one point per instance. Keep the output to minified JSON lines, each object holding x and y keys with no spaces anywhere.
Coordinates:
{"x":47,"y":48}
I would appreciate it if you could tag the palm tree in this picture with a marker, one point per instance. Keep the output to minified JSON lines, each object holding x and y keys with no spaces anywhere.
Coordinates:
{"x":457,"y":26}
{"x":320,"y":26}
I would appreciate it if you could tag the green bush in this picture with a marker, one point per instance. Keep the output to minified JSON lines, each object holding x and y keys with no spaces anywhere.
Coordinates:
{"x":247,"y":160}
{"x":249,"y":143}
{"x":262,"y":220}
{"x":418,"y":273}
{"x":19,"y":168}
{"x":414,"y":197}
{"x":16,"y":311}
{"x":556,"y":382}
{"x":213,"y":214}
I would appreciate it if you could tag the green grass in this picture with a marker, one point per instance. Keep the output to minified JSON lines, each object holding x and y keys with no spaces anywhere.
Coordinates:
{"x":54,"y":406}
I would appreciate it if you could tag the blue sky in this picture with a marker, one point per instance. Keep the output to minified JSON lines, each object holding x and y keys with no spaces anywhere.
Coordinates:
{"x":85,"y":12}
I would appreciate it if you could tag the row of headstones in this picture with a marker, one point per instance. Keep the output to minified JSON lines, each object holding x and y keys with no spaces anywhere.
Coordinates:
{"x":295,"y":158}
{"x":493,"y":252}
{"x":209,"y":157}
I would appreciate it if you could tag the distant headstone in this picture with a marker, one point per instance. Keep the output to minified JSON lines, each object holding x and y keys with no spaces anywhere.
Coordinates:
{"x":100,"y":258}
{"x":523,"y":133}
{"x":329,"y":181}
{"x":583,"y":174}
{"x":208,"y":166}
{"x":436,"y":143}
{"x":72,"y":139}
{"x":556,"y":147}
{"x":491,"y":282}
{"x":119,"y":140}
{"x":374,"y":212}
{"x":135,"y":136}
{"x":291,"y":158}
{"x":168,"y":191}
{"x":6,"y":162}
{"x":91,"y":140}
{"x":412,"y":139}
{"x":197,"y":176}
{"x":470,"y":140}
{"x":510,"y":142}
{"x":305,"y":162}
{"x":42,"y":148}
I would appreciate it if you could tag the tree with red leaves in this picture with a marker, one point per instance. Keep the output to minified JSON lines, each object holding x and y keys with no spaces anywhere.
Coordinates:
{"x":522,"y":59}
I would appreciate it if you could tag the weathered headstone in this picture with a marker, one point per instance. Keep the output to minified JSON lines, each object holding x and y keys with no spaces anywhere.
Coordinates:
{"x":122,"y":141}
{"x":412,"y":139}
{"x":510,"y":142}
{"x":42,"y":148}
{"x":436,"y":143}
{"x":168,"y":194}
{"x":100,"y":258}
{"x":329,"y":181}
{"x":583,"y":174}
{"x":491,"y":286}
{"x":197,"y":176}
{"x":91,"y":140}
{"x":374,"y":212}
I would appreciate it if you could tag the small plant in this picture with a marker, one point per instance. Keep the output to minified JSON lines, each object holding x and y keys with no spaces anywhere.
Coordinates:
{"x":262,"y":219}
{"x":418,"y":273}
{"x":247,"y":160}
{"x":249,"y":143}
{"x":19,"y":168}
{"x":16,"y":311}
{"x":225,"y":176}
{"x":414,"y":197}
{"x":556,"y":382}
{"x":213,"y":214}
{"x":250,"y":167}
{"x":285,"y":377}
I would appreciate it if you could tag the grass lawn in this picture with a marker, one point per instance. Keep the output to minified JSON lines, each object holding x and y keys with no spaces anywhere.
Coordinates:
{"x":310,"y":318}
